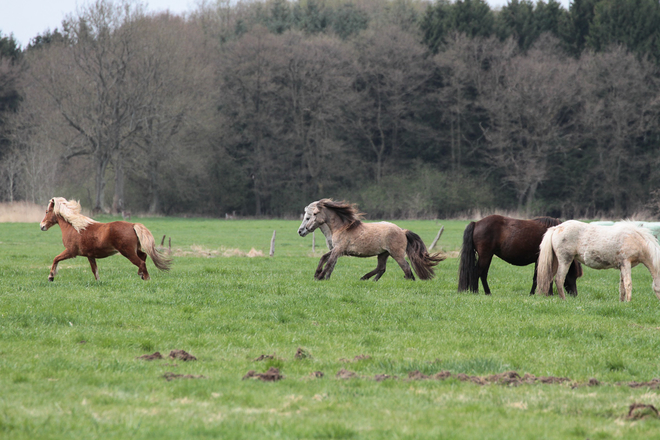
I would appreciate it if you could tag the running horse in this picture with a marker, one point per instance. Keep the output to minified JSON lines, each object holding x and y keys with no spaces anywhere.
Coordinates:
{"x":83,"y":236}
{"x":622,"y":246}
{"x":514,"y":241}
{"x":346,"y":234}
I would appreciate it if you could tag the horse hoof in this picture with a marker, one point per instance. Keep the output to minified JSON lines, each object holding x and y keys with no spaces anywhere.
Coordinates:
{"x":51,"y":278}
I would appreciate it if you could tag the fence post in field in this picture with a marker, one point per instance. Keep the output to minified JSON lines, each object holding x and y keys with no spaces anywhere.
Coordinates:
{"x":313,"y":242}
{"x":272,"y":244}
{"x":437,"y":237}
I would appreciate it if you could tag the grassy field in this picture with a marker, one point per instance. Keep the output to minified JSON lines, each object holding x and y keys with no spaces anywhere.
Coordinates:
{"x":69,"y":349}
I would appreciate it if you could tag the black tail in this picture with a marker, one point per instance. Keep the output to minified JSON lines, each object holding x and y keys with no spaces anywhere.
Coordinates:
{"x":467,"y":269}
{"x":419,"y":256}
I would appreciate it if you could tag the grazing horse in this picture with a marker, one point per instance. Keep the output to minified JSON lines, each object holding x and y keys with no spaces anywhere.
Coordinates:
{"x":83,"y":236}
{"x":346,"y":234}
{"x":622,"y":246}
{"x":514,"y":241}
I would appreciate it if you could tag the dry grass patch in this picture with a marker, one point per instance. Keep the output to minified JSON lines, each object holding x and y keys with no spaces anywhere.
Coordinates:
{"x":21,"y":212}
{"x":201,"y":251}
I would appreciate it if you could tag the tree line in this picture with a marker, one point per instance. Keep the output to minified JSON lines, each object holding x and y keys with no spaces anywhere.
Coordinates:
{"x":410,"y":108}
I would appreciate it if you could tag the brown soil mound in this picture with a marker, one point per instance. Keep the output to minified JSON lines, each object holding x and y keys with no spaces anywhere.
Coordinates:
{"x":317,"y":374}
{"x":301,"y":353}
{"x":654,"y":383}
{"x":638,"y":411}
{"x":171,"y":376}
{"x":264,"y":357}
{"x":150,"y":357}
{"x":510,"y":378}
{"x":345,"y":374}
{"x":272,"y":375}
{"x":182,"y":355}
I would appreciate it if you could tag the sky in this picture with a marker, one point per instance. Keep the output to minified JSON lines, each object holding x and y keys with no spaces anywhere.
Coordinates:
{"x":25,"y":19}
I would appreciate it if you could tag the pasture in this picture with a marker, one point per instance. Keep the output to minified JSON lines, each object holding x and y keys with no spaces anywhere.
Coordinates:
{"x":69,"y":349}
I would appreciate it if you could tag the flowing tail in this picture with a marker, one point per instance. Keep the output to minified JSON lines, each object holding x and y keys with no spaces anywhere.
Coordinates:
{"x":419,"y":256}
{"x":468,"y":278}
{"x":148,"y":245}
{"x":547,"y":263}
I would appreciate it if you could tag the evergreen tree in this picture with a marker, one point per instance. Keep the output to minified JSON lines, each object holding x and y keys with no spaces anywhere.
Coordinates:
{"x":632,"y":23}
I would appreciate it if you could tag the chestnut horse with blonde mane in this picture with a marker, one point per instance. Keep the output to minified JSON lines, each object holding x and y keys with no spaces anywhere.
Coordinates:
{"x":621,"y":246}
{"x":346,"y":234}
{"x":83,"y":236}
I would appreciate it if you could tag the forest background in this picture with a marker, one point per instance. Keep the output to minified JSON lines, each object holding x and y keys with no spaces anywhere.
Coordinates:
{"x":410,"y":108}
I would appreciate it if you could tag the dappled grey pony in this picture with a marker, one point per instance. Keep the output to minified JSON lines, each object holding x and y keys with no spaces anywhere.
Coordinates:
{"x":346,"y":234}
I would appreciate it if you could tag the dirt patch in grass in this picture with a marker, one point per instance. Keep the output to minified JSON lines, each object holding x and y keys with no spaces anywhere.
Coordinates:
{"x":202,"y":252}
{"x":150,"y":357}
{"x":182,"y":355}
{"x":359,"y":357}
{"x":264,"y":357}
{"x":272,"y":375}
{"x":653,"y":383}
{"x":345,"y":374}
{"x":171,"y":376}
{"x":317,"y":374}
{"x":511,"y":378}
{"x":639,"y":411}
{"x":301,"y":353}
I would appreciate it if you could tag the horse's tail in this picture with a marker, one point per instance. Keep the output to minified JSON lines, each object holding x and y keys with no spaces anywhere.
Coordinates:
{"x":148,"y":244}
{"x":419,"y":256}
{"x":467,"y":270}
{"x":545,"y":272}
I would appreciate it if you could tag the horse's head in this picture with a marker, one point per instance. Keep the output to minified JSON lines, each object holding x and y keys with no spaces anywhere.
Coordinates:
{"x":312,"y":219}
{"x":50,"y":218}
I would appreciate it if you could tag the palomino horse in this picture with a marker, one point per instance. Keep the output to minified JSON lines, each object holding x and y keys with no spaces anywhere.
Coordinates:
{"x":621,"y":246}
{"x":346,"y":234}
{"x":83,"y":236}
{"x":514,"y":241}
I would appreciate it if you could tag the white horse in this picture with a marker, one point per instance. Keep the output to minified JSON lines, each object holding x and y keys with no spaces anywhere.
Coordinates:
{"x":622,"y":246}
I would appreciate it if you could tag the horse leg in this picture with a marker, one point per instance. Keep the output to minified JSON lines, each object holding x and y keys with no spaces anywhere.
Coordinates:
{"x":319,"y":268}
{"x":380,"y":268}
{"x":625,"y":286}
{"x":95,"y":269}
{"x":483,"y":266}
{"x":65,"y":255}
{"x":139,"y":262}
{"x":536,"y":266}
{"x":403,"y":264}
{"x":562,"y":270}
{"x":330,"y":266}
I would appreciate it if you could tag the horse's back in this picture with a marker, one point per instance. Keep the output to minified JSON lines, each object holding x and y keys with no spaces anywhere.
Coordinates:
{"x":513,"y":240}
{"x":101,"y":240}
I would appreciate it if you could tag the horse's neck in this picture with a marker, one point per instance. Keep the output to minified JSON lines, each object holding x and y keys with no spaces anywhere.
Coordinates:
{"x":328,"y":234}
{"x":67,"y":228}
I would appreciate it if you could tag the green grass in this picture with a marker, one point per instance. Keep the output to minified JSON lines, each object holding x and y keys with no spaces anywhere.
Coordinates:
{"x":229,"y":311}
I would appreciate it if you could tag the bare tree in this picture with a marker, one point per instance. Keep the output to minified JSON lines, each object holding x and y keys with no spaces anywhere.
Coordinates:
{"x":526,"y":108}
{"x":173,"y":79}
{"x":621,"y":108}
{"x":86,"y":77}
{"x":391,"y":69}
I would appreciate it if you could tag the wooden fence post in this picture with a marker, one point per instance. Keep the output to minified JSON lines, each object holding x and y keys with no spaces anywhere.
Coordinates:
{"x":272,"y":244}
{"x":313,"y":242}
{"x":437,"y":237}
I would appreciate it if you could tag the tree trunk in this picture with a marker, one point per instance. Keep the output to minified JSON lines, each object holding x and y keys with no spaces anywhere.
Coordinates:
{"x":118,"y":199}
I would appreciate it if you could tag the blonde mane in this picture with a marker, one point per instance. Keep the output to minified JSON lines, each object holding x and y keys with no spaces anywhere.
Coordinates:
{"x":69,"y":210}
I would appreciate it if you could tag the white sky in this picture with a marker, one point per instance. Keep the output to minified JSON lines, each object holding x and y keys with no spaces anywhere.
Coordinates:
{"x":28,"y":18}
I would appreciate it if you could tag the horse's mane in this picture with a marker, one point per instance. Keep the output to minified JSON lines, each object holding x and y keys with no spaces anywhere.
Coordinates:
{"x":547,"y":221}
{"x":348,"y":213}
{"x":69,"y":210}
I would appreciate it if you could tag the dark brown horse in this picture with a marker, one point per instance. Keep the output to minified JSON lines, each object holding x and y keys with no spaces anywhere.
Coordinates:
{"x":514,"y":241}
{"x":346,"y":234}
{"x":86,"y":237}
